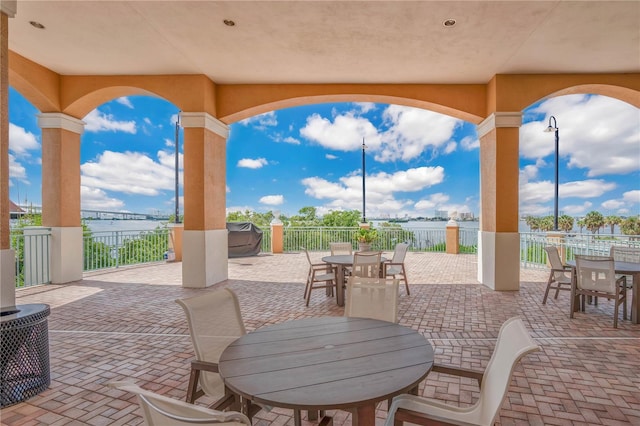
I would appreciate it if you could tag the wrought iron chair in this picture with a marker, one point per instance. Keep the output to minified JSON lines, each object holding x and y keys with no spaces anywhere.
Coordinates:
{"x":559,"y":276}
{"x":514,"y":342}
{"x":395,"y":268}
{"x":375,"y":298}
{"x":595,"y":276}
{"x":162,"y":411}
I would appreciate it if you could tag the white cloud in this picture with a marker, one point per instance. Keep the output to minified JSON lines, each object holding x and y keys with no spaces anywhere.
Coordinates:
{"x":16,"y":170}
{"x":21,"y":141}
{"x":272,"y":200}
{"x":147,"y":120}
{"x":365,"y":107}
{"x":250,"y":163}
{"x":632,"y":197}
{"x":451,"y":147}
{"x":346,"y":193}
{"x":612,"y":204}
{"x":97,"y":199}
{"x":434,"y":201}
{"x":262,"y":121}
{"x":345,"y":133}
{"x":101,"y":122}
{"x":125,"y":101}
{"x":330,"y":157}
{"x":577,"y":209}
{"x":469,"y":143}
{"x":131,"y":173}
{"x":543,"y":191}
{"x":278,"y":137}
{"x":596,"y":133}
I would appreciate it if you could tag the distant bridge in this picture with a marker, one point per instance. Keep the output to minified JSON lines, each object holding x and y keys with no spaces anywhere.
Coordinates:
{"x":101,"y":214}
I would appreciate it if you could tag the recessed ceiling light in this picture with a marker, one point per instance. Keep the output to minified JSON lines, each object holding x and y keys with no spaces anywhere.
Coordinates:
{"x":229,"y":22}
{"x":449,"y":22}
{"x":37,"y":25}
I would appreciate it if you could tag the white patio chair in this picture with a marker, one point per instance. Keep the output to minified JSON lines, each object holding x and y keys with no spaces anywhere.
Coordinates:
{"x":375,"y":298}
{"x":214,"y":321}
{"x":320,"y":275}
{"x":159,"y":410}
{"x":595,"y":276}
{"x":340,"y":248}
{"x":513,"y":343}
{"x":366,"y":264}
{"x":559,"y":276}
{"x":395,"y":268}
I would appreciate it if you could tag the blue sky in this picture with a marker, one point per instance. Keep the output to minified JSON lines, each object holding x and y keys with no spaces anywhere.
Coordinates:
{"x":417,"y":161}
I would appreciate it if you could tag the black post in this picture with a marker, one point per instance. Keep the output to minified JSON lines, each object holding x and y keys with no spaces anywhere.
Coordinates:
{"x":177,"y":218}
{"x":364,"y":203}
{"x":555,"y":211}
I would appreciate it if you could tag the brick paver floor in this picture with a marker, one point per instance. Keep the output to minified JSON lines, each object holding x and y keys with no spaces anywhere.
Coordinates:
{"x":125,"y":324}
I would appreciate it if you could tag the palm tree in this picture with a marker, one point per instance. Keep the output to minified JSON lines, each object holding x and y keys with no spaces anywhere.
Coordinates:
{"x":546,"y":223}
{"x":565,"y":223}
{"x":594,"y":221}
{"x":581,"y":224}
{"x":612,"y":221}
{"x":631,"y":225}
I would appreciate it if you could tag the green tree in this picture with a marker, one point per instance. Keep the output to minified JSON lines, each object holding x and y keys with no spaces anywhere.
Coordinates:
{"x":581,"y":224}
{"x":532,"y":222}
{"x":546,"y":223}
{"x":594,"y":221}
{"x":631,"y":225}
{"x":612,"y":221}
{"x":341,"y":218}
{"x":306,"y":216}
{"x":565,"y":223}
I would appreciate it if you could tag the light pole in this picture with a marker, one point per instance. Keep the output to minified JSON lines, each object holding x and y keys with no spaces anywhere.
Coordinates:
{"x":364,"y":203}
{"x":555,"y":129}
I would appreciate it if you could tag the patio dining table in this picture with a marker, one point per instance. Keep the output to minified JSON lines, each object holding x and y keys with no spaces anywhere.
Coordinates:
{"x":327,"y":363}
{"x":624,"y":268}
{"x":342,"y":261}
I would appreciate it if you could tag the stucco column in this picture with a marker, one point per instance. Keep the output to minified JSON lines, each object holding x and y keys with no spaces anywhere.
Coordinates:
{"x":499,"y":239}
{"x":61,"y":193}
{"x":204,"y":241}
{"x":7,"y":257}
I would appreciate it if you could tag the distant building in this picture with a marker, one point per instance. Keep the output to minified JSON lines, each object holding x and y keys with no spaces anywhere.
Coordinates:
{"x":441,"y":214}
{"x":466,"y":216}
{"x":15,"y":211}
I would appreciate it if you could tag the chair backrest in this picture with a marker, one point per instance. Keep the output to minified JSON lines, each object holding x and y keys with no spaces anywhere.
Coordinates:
{"x":400,"y":252}
{"x":366,"y":264}
{"x":625,"y":254}
{"x":554,"y":260}
{"x":340,"y":248}
{"x":513,"y":343}
{"x":306,"y":252}
{"x":161,"y":410}
{"x":375,"y":298}
{"x":596,"y":273}
{"x":215,"y":321}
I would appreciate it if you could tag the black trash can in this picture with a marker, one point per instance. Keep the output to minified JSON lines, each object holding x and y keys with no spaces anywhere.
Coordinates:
{"x":24,"y":353}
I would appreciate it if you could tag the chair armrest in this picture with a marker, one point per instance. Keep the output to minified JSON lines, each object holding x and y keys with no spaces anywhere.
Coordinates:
{"x":204,"y":366}
{"x":456,"y":371}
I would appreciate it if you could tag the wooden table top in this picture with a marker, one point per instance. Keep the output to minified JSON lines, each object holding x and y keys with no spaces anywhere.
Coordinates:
{"x":326,"y":363}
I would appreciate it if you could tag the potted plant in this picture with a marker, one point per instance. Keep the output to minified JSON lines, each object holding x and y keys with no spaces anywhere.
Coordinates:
{"x":365,"y":236}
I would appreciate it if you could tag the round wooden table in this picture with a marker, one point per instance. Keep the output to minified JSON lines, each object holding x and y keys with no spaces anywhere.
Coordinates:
{"x":342,"y":261}
{"x":327,"y":363}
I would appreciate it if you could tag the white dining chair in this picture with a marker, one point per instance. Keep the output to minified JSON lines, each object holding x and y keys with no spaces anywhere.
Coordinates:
{"x":375,"y":298}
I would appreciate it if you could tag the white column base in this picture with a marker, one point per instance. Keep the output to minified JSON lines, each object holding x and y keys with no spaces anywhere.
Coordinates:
{"x":66,"y":254}
{"x":204,"y":258}
{"x":7,"y":278}
{"x":499,"y":260}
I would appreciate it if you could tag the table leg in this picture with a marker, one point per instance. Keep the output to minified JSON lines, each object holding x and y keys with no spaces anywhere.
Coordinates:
{"x":364,"y":416}
{"x":635,"y":299}
{"x":340,"y":289}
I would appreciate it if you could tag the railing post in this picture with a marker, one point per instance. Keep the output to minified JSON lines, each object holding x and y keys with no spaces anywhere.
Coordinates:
{"x":277,"y":236}
{"x":453,"y":237}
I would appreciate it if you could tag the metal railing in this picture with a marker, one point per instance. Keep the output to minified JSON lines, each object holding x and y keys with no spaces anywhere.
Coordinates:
{"x":532,"y":244}
{"x":103,"y":250}
{"x":31,"y":247}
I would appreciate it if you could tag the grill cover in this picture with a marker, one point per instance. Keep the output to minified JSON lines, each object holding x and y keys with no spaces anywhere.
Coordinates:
{"x":245,"y":239}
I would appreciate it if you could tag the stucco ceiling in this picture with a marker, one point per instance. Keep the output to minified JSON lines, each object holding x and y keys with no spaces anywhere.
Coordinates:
{"x":330,"y":42}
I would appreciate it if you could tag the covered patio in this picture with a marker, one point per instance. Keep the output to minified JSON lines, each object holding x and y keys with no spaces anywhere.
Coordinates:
{"x":125,"y":324}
